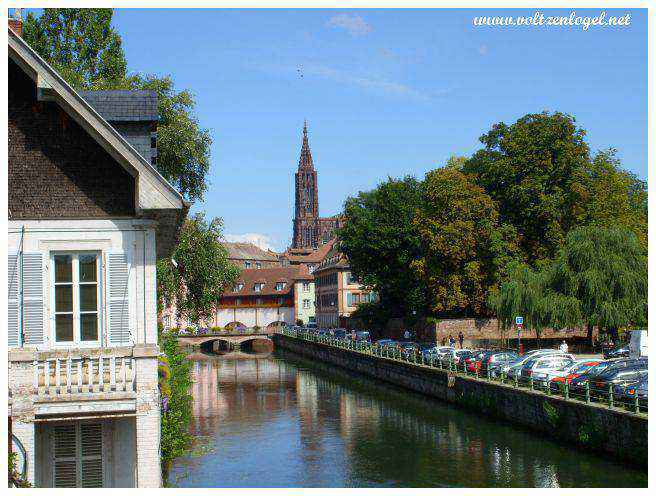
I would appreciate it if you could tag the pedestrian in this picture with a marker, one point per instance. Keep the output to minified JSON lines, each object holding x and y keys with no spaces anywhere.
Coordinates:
{"x":443,"y":340}
{"x":461,"y":338}
{"x":563,"y":347}
{"x":406,"y":335}
{"x":452,"y":342}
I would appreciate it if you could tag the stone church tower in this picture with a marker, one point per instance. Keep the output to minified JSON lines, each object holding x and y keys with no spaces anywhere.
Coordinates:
{"x":306,"y":213}
{"x":310,"y":230}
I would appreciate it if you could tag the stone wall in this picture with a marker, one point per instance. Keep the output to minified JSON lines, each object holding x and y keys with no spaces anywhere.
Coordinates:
{"x":592,"y":426}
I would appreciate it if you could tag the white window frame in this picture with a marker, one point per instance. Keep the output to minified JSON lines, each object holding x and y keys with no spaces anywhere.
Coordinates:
{"x":280,"y":286}
{"x":247,"y":264}
{"x":258,"y":265}
{"x":306,"y":303}
{"x":77,"y":331}
{"x":306,"y":286}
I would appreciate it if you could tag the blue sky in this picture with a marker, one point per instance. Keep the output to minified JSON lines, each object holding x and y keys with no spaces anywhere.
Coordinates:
{"x":385,"y":92}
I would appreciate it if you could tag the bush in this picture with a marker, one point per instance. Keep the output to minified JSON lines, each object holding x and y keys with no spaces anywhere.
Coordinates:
{"x":15,"y":479}
{"x":175,"y":380}
{"x":299,"y":322}
{"x":216,"y":329}
{"x":256,"y":328}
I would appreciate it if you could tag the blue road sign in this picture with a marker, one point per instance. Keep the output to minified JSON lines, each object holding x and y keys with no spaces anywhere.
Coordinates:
{"x":519,"y":320}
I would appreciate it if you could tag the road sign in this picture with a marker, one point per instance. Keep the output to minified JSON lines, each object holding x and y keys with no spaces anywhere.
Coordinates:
{"x":519,"y":321}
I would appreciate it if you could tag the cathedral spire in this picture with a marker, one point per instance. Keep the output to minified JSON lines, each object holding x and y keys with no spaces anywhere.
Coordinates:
{"x":305,"y":162}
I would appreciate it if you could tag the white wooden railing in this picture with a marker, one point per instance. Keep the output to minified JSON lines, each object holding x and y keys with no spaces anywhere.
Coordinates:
{"x":57,"y":376}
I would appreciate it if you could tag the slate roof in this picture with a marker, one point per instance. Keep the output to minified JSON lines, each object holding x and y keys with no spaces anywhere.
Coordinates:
{"x":248,"y":251}
{"x":123,"y":105}
{"x":333,"y":259}
{"x":269,"y":277}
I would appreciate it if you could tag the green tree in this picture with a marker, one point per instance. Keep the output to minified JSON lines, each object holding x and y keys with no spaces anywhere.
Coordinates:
{"x":616,"y":197}
{"x":83,"y":46}
{"x":536,"y":170}
{"x":605,"y":270}
{"x":465,"y":248}
{"x":198,"y":272}
{"x":80,"y":44}
{"x":380,"y":241}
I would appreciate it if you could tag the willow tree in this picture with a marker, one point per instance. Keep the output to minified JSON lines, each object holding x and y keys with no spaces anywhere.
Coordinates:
{"x":605,"y":270}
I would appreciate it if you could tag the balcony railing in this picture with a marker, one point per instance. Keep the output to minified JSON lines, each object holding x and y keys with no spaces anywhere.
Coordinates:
{"x":58,"y":376}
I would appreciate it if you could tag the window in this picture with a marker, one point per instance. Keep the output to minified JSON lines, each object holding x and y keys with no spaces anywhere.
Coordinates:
{"x":258,"y":286}
{"x":238,"y":287}
{"x":310,"y":268}
{"x":258,"y":265}
{"x":280,"y":286}
{"x":306,"y":303}
{"x":306,"y":286}
{"x":76,"y":296}
{"x":247,"y":264}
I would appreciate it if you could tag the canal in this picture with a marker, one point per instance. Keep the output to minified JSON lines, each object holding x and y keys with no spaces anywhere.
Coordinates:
{"x":281,"y":421}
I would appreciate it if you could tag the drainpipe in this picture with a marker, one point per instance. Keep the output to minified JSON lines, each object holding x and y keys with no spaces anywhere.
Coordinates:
{"x":21,"y":337}
{"x":144,"y":284}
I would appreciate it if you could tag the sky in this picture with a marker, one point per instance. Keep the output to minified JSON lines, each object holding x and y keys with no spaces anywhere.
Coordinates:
{"x":385,"y":93}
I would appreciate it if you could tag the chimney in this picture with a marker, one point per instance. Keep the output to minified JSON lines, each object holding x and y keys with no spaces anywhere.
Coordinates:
{"x":16,"y":22}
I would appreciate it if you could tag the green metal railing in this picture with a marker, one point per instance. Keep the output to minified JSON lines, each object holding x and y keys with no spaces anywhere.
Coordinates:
{"x":586,"y":393}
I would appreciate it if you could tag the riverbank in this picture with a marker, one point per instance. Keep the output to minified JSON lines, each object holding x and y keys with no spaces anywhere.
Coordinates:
{"x":590,"y":426}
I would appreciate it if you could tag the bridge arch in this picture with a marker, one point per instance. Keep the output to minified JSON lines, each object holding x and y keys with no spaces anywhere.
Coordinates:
{"x":273,"y":325}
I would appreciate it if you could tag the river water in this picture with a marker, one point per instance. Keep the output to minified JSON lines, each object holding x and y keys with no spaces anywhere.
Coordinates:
{"x":281,"y":421}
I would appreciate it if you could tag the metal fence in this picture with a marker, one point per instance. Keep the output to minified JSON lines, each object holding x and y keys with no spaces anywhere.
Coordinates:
{"x":586,"y":393}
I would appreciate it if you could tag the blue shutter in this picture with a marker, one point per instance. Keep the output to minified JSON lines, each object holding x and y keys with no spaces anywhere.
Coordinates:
{"x":33,"y":298}
{"x":118,"y":301}
{"x":13,"y":316}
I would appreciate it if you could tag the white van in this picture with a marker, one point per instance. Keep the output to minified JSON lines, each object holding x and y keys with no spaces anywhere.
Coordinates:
{"x":638,"y":344}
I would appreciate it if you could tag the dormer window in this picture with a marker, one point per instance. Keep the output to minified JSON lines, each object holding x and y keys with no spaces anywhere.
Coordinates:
{"x":258,"y":287}
{"x":258,"y":265}
{"x":280,"y":286}
{"x":238,"y":287}
{"x":247,"y":264}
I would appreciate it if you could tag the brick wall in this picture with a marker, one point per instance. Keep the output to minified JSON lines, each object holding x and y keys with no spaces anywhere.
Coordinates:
{"x":56,"y":170}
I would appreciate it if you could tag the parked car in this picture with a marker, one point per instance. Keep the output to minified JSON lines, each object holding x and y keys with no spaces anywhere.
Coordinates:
{"x":438,"y":352}
{"x":385,"y":342}
{"x":362,"y":336}
{"x":538,"y":367}
{"x":339,"y":333}
{"x":409,"y":346}
{"x":566,"y":374}
{"x":628,"y":392}
{"x":495,"y":360}
{"x":621,"y":352}
{"x":515,"y":367}
{"x":577,"y":384}
{"x":460,"y":355}
{"x":601,"y":384}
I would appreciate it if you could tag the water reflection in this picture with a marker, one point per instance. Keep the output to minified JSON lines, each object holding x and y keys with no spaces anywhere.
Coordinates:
{"x":279,"y":421}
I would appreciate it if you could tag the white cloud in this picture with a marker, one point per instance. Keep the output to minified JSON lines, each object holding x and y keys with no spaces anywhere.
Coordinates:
{"x":260,"y":240}
{"x":375,"y":84}
{"x":354,"y":24}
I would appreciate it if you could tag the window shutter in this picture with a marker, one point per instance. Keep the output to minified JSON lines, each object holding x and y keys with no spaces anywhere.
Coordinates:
{"x":33,"y":304}
{"x":64,"y":451}
{"x":91,"y":455}
{"x":77,"y":455}
{"x":13,"y":317}
{"x":118,"y":271}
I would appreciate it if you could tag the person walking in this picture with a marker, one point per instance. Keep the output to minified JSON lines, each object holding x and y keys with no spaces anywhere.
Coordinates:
{"x":461,"y":338}
{"x":452,"y":342}
{"x":406,"y":335}
{"x":563,"y":347}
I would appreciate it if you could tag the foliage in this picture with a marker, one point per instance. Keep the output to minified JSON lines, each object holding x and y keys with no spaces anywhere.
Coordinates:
{"x":535,"y":170}
{"x":371,"y":316}
{"x":80,"y":44}
{"x":599,"y":278}
{"x":15,"y":479}
{"x":380,"y":241}
{"x":203,"y":270}
{"x":616,"y":197}
{"x":464,"y":246}
{"x":175,"y":421}
{"x":85,"y":49}
{"x":605,"y":270}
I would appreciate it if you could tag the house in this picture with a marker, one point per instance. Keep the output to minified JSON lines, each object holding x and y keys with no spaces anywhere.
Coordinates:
{"x":337,"y":292}
{"x":262,"y":298}
{"x":249,"y":256}
{"x":88,"y":218}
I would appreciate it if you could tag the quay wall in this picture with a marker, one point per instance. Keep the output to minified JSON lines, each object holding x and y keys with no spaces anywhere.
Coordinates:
{"x":591,"y":426}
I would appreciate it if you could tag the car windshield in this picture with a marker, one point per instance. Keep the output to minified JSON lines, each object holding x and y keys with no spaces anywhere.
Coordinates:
{"x":583,"y":367}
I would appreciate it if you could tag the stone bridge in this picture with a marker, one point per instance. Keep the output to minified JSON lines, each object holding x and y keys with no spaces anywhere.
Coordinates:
{"x":229,"y":341}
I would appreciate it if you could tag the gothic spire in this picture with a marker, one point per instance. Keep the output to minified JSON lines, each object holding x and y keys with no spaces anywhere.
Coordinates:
{"x":305,"y":162}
